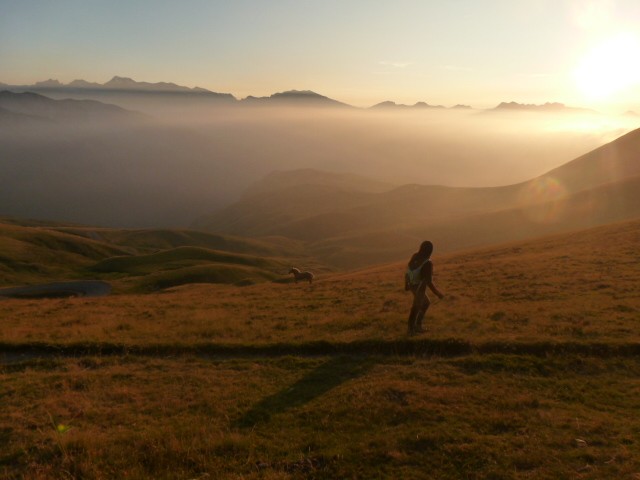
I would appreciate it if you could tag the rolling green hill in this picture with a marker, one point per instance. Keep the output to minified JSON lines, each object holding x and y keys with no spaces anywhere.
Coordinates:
{"x":35,"y":252}
{"x":150,"y":240}
{"x":182,"y":265}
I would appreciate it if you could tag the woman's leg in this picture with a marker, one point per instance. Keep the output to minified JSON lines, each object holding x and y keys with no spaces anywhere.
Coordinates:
{"x":421,"y":313}
{"x":415,"y":320}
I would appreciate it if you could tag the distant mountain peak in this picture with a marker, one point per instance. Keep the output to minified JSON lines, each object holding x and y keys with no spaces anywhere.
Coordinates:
{"x":49,"y":83}
{"x":529,"y":106}
{"x":117,"y":83}
{"x":38,"y":106}
{"x":295,"y":97}
{"x":298,"y":93}
{"x":120,"y":81}
{"x":387,"y":104}
{"x":301,"y":95}
{"x":82,"y":84}
{"x":427,"y":105}
{"x":127,"y":83}
{"x":418,"y":105}
{"x":554,"y":107}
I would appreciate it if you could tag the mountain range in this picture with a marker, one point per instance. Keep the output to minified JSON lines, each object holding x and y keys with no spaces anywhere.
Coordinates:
{"x":29,"y":107}
{"x":549,"y":107}
{"x":119,"y":86}
{"x":116,"y":83}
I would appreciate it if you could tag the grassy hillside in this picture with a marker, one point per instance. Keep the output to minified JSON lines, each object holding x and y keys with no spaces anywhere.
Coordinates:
{"x":182,"y":265}
{"x":490,"y":417}
{"x":598,"y":206}
{"x":610,"y":163}
{"x":149,"y":240}
{"x":528,"y":370}
{"x":37,"y":254}
{"x":179,"y":257}
{"x":139,"y":260}
{"x":577,"y":287}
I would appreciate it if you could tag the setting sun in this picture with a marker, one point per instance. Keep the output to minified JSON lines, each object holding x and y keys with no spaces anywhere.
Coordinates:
{"x":610,"y":67}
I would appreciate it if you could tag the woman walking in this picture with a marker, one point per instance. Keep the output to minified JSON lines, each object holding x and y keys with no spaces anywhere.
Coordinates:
{"x":419,"y":276}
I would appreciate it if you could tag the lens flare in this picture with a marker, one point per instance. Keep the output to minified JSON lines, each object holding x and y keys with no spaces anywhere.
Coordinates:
{"x":547,"y":197}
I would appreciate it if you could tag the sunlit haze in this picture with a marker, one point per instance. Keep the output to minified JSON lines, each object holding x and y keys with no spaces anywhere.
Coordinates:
{"x":458,"y":95}
{"x":581,"y":53}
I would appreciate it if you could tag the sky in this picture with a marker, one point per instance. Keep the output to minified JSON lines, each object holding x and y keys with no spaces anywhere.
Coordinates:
{"x":472,"y":52}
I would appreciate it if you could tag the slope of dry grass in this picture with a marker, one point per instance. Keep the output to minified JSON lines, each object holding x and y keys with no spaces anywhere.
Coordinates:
{"x":492,"y":417}
{"x":579,"y":287}
{"x":186,"y":410}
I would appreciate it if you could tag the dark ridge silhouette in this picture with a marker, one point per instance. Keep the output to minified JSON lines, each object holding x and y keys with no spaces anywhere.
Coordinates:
{"x":83,"y":84}
{"x":294,"y":97}
{"x":426,"y":105}
{"x":39,"y":106}
{"x":555,"y":107}
{"x":126,"y":85}
{"x":389,"y":105}
{"x":116,"y":83}
{"x":49,"y":83}
{"x":124,"y":90}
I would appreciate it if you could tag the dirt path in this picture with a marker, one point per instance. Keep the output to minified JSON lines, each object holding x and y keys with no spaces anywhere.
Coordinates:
{"x":12,"y":353}
{"x":85,"y":288}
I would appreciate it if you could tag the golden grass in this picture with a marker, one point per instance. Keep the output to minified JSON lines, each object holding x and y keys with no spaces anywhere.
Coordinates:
{"x":339,"y":417}
{"x":578,"y":288}
{"x":175,"y":414}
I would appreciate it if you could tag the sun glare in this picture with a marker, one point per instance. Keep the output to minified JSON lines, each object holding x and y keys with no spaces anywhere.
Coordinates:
{"x":610,"y":68}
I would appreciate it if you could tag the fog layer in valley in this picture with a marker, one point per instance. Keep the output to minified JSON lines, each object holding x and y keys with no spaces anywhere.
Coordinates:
{"x":165,"y":170}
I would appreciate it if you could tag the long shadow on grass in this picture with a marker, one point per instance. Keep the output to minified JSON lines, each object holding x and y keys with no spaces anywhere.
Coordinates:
{"x":317,"y":382}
